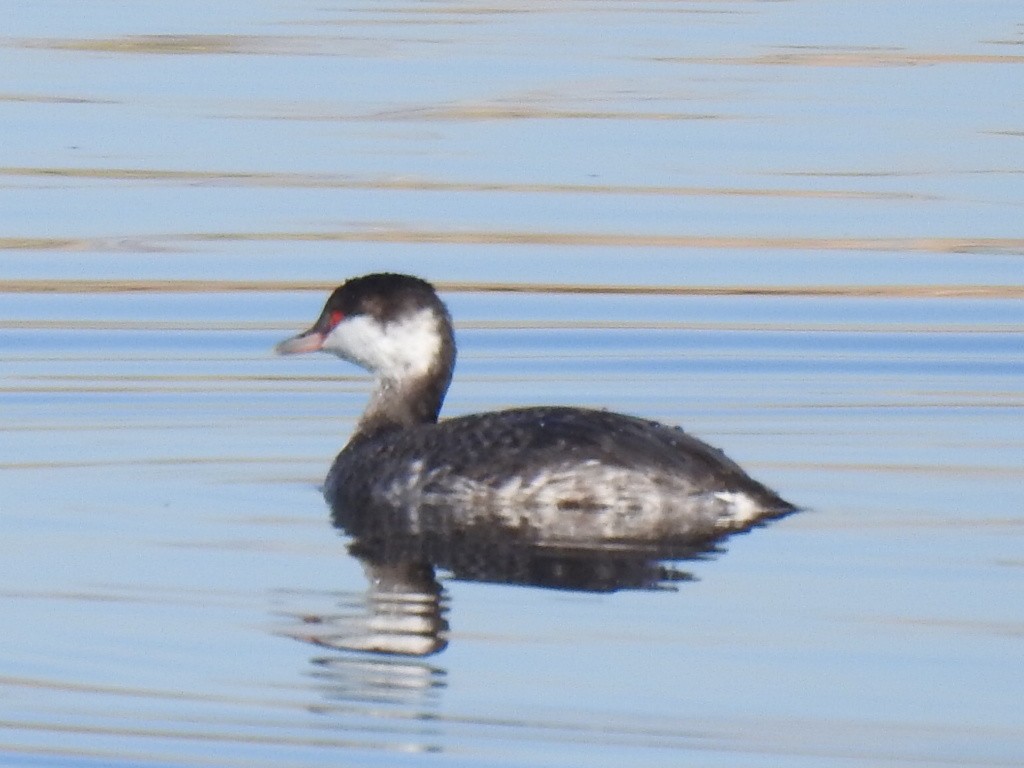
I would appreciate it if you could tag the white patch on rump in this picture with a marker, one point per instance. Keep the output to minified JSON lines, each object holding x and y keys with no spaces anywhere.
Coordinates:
{"x":740,"y":509}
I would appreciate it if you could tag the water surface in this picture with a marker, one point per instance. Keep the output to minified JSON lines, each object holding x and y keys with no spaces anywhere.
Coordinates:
{"x":794,"y":228}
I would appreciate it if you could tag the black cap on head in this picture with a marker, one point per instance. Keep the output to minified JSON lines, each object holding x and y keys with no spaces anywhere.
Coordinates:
{"x":385,"y":296}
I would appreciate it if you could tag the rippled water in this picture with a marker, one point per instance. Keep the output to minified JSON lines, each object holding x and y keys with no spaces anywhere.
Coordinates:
{"x":795,"y":228}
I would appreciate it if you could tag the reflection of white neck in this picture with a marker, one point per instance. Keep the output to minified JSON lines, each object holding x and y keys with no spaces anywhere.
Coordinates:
{"x":406,"y":610}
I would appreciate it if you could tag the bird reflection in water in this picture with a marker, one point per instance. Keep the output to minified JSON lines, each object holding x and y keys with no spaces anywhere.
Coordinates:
{"x":549,"y":496}
{"x":379,"y":641}
{"x":405,"y":608}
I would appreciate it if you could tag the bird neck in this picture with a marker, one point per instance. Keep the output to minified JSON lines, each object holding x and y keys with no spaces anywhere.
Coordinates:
{"x":396,"y":405}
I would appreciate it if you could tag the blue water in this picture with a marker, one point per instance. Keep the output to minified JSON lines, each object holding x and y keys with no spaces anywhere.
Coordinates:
{"x":794,"y":228}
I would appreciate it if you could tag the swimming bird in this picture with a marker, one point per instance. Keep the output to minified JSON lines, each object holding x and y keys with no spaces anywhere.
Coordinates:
{"x":549,"y":475}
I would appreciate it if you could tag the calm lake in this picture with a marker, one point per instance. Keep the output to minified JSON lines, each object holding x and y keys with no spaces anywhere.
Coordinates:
{"x":795,"y":228}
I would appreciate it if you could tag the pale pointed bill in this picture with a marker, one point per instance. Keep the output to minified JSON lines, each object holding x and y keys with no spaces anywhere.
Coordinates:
{"x":310,"y":341}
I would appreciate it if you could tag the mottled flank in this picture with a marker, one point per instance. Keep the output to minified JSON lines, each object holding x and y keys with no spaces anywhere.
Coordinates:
{"x":548,"y":475}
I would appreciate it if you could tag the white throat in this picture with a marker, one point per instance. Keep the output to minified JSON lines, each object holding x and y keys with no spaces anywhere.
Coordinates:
{"x":400,"y":351}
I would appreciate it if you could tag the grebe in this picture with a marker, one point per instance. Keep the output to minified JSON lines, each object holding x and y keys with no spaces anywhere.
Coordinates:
{"x":548,"y":475}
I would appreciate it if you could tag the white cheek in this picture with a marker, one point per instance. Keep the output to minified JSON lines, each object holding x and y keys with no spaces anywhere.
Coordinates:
{"x":404,"y":348}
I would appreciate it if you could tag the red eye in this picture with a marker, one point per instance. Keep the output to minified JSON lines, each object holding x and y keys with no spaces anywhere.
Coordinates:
{"x":336,"y":317}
